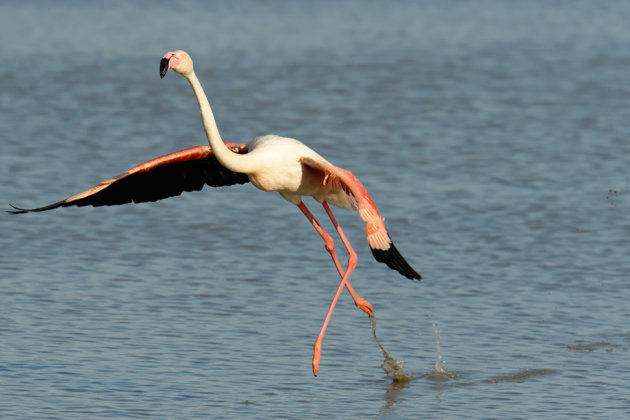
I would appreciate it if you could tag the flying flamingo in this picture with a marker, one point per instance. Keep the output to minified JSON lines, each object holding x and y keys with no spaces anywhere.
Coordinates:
{"x":269,"y":162}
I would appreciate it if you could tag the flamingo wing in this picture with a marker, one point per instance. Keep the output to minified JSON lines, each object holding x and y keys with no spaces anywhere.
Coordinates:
{"x":379,"y":240}
{"x":165,"y":176}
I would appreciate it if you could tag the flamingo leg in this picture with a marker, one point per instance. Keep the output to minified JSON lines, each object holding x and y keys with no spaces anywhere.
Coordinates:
{"x":352,"y":262}
{"x":358,"y":300}
{"x":330,"y":247}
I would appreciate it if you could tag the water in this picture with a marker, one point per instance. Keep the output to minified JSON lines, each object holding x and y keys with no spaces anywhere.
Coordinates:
{"x":493,"y":136}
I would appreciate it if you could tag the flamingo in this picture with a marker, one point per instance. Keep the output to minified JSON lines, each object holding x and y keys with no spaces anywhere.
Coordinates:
{"x":271,"y":163}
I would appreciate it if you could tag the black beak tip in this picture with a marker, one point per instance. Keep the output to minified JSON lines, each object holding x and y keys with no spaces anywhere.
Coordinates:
{"x":163,"y":67}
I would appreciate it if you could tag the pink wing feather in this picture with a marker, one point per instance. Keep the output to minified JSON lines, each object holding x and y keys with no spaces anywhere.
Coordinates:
{"x":379,"y":240}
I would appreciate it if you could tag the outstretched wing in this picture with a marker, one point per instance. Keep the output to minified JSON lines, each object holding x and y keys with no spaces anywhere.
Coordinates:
{"x":379,"y":240}
{"x":162,"y":177}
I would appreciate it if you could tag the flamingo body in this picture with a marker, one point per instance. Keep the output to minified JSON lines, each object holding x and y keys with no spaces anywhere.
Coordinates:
{"x":271,"y":163}
{"x":282,"y":170}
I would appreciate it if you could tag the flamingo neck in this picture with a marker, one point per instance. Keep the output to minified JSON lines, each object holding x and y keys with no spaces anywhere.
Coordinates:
{"x":232,"y":161}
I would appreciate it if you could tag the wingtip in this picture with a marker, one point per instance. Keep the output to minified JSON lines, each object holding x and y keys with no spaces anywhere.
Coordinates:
{"x":18,"y":210}
{"x":394,"y":260}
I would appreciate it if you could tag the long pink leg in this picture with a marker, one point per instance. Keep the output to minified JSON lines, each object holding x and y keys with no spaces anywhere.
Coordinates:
{"x":358,"y":300}
{"x":330,"y":247}
{"x":352,"y":262}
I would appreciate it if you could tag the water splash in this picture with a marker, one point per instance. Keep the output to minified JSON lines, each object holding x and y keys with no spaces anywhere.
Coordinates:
{"x":439,"y":373}
{"x":439,"y":367}
{"x":392,"y":367}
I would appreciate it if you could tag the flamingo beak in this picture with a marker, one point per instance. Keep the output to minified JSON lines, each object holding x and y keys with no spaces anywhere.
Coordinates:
{"x":163,"y":67}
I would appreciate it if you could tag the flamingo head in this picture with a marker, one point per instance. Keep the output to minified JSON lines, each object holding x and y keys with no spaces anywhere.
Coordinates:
{"x":179,"y":61}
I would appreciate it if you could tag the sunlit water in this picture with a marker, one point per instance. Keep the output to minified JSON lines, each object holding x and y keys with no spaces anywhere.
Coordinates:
{"x":493,"y":136}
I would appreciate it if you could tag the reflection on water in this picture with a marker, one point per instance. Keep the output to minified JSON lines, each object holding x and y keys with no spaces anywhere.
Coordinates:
{"x":443,"y":379}
{"x":580,"y":346}
{"x":521,"y":376}
{"x":400,"y":380}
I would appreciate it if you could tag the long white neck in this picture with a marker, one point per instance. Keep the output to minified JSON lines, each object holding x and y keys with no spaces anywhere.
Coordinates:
{"x":232,"y":161}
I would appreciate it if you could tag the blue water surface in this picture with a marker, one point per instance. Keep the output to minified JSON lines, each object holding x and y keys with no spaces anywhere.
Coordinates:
{"x":494,"y":136}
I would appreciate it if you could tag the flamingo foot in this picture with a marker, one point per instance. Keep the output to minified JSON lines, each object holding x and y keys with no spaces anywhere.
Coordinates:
{"x":317,"y":354}
{"x":365,"y":306}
